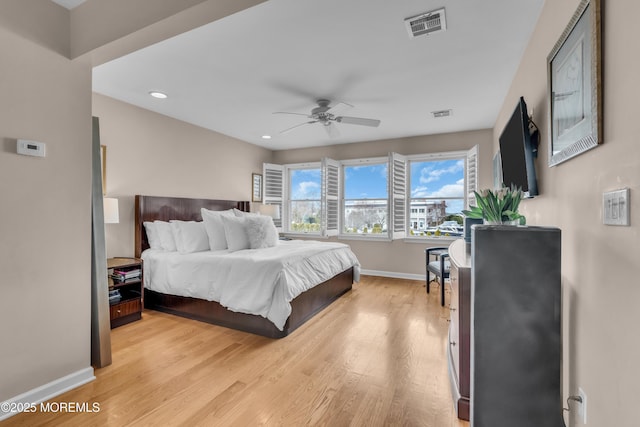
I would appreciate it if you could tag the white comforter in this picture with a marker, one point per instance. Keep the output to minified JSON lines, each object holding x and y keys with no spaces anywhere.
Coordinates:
{"x":254,"y":281}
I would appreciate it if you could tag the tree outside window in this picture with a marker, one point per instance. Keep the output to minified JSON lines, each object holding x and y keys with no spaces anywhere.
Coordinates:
{"x":365,"y":199}
{"x":305,"y":200}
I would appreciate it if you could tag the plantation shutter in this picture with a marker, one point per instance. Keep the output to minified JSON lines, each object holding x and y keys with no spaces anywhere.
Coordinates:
{"x":397,"y":223}
{"x":471,"y":176}
{"x":273,"y":192}
{"x":330,"y":197}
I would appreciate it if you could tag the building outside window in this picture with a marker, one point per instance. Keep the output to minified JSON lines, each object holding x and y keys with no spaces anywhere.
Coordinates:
{"x":437,"y":196}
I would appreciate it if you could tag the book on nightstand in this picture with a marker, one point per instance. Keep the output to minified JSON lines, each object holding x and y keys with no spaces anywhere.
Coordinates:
{"x":114,"y":296}
{"x":126,"y":275}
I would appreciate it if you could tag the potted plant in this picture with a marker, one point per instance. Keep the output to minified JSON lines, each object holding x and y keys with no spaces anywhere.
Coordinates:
{"x":498,"y":207}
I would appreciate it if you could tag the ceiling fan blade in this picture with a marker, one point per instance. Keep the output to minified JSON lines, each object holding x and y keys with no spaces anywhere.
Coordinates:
{"x":332,"y":130}
{"x":297,"y":126}
{"x":286,"y":112}
{"x":358,"y":121}
{"x":338,"y":108}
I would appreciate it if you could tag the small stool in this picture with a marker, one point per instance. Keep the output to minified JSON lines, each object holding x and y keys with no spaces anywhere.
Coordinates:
{"x":439,"y":267}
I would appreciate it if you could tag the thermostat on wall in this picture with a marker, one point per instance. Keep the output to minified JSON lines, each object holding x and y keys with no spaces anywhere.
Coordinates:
{"x":31,"y":148}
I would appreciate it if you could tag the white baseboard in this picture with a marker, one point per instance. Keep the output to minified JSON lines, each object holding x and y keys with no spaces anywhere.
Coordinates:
{"x":48,"y":391}
{"x":393,"y":274}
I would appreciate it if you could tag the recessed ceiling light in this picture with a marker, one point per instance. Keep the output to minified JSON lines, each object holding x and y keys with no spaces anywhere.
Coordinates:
{"x":266,"y":136}
{"x":157,"y":94}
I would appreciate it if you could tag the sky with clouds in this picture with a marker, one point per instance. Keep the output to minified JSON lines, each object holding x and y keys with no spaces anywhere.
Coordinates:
{"x":443,"y":178}
{"x":305,"y":184}
{"x":365,"y":182}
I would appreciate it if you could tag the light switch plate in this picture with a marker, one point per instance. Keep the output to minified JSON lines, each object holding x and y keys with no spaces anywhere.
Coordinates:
{"x":615,"y":207}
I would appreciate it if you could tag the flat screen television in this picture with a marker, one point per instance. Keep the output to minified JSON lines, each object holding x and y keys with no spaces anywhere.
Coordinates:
{"x":518,"y":148}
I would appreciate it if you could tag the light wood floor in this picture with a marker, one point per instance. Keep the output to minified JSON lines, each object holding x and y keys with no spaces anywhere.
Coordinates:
{"x":375,"y":357}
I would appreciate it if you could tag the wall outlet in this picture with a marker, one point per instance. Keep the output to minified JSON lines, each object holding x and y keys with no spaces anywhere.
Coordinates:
{"x":582,"y":406}
{"x":615,"y":207}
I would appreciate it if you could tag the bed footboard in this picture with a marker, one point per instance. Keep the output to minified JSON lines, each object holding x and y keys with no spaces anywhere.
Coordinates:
{"x":303,"y":308}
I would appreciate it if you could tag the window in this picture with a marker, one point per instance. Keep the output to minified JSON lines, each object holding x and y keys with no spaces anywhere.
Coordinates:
{"x":308,"y":196}
{"x":418,"y":196}
{"x":304,"y":201}
{"x":365,"y":202}
{"x":437,"y":196}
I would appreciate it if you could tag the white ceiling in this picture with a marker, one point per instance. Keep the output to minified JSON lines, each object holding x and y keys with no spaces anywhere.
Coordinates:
{"x":282,"y":55}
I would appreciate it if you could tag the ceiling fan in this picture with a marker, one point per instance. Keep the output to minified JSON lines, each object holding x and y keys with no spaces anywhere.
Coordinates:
{"x":327,"y":116}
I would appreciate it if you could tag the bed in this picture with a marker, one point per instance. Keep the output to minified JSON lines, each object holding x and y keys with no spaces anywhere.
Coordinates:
{"x":303,"y":307}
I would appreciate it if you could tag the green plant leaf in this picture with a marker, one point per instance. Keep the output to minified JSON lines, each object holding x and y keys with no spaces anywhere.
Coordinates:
{"x":500,"y":205}
{"x":474,"y":212}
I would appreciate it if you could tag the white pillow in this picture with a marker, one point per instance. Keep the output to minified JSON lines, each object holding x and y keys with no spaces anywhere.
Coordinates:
{"x":234,"y":230}
{"x":242,"y":214}
{"x":215,"y":228}
{"x":165,"y":235}
{"x":190,"y":236}
{"x":261,"y":231}
{"x":152,"y":235}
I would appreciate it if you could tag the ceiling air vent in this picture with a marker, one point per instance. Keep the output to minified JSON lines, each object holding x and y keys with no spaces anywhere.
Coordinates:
{"x":441,"y":113}
{"x":426,"y":23}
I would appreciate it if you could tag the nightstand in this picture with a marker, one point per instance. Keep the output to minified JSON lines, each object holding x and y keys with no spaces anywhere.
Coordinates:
{"x":125,"y":290}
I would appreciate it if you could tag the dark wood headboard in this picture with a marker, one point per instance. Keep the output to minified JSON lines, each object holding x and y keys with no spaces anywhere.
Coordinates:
{"x":152,"y":208}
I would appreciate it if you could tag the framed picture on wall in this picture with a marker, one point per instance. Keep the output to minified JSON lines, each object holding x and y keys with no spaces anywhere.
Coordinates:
{"x":256,"y":187}
{"x":574,"y":69}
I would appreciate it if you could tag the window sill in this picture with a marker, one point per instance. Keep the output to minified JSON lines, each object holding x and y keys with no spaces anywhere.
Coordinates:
{"x":425,"y":239}
{"x":303,"y":235}
{"x":371,"y":238}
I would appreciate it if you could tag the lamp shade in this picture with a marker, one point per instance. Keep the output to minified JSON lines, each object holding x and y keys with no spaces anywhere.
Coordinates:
{"x":111,"y":215}
{"x":270,"y":210}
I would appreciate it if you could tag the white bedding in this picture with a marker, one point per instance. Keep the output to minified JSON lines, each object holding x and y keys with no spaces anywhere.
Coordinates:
{"x":253,"y":281}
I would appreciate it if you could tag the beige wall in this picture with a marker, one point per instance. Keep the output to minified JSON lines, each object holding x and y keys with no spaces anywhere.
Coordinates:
{"x":151,"y":154}
{"x":45,"y":237}
{"x":599,"y":264}
{"x":40,"y":21}
{"x":406,"y":146}
{"x":399,"y":256}
{"x":45,"y":240}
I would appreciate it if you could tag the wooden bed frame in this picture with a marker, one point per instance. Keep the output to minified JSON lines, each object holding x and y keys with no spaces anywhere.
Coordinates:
{"x":305,"y":306}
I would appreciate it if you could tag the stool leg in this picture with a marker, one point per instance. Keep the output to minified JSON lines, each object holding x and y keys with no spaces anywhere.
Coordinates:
{"x":428,"y":282}
{"x":426,"y":267}
{"x":442,"y":273}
